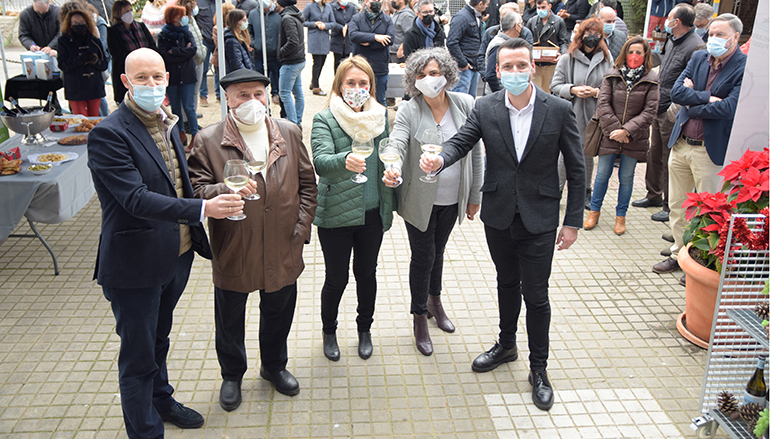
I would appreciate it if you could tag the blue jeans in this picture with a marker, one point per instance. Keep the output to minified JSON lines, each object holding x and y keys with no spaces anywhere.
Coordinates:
{"x":468,"y":83}
{"x":625,"y":175}
{"x":381,"y":86}
{"x":204,"y":90}
{"x":290,"y":82}
{"x":183,"y":97}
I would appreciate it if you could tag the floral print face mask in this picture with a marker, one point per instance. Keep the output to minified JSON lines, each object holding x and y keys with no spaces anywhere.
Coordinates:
{"x":355,"y":97}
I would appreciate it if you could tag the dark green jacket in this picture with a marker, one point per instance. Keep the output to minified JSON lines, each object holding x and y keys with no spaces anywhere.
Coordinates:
{"x":340,"y":200}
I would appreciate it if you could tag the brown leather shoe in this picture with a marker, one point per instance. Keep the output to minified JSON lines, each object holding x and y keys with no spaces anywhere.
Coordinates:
{"x":204,"y":102}
{"x":421,"y":335}
{"x":436,"y":309}
{"x":620,"y":225}
{"x":668,"y":266}
{"x":593,"y":218}
{"x":319,"y":92}
{"x":183,"y":138}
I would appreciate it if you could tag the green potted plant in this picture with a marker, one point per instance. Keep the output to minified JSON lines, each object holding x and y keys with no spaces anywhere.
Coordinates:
{"x":746,"y":188}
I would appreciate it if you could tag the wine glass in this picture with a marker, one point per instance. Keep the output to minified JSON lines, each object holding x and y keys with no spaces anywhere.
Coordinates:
{"x":390,"y":155}
{"x":362,"y":147}
{"x":255,"y":167}
{"x":236,"y":178}
{"x":431,"y":144}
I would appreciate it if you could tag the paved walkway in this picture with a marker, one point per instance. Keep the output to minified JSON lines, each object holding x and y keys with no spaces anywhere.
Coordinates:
{"x":619,"y":367}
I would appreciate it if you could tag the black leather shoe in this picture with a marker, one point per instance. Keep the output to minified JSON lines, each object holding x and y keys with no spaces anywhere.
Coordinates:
{"x":661,"y":216}
{"x":365,"y":345}
{"x":542,"y":392}
{"x":331,"y":349}
{"x":646,"y":202}
{"x":494,"y":357}
{"x":283,"y":381}
{"x":230,"y":395}
{"x":669,"y":265}
{"x":182,"y":417}
{"x":668,"y":236}
{"x":683,"y":280}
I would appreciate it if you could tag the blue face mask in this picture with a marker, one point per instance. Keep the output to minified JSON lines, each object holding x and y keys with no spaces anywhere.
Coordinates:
{"x":609,"y":28}
{"x":148,"y":98}
{"x":542,"y":13}
{"x":668,"y":28}
{"x":717,"y":46}
{"x":195,"y":11}
{"x":184,"y":21}
{"x":515,"y":82}
{"x":271,"y":8}
{"x":701,"y":31}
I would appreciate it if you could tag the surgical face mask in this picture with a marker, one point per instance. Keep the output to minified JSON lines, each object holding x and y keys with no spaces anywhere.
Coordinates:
{"x":195,"y":11}
{"x":251,"y":112}
{"x":375,"y":7}
{"x":184,"y":21}
{"x":542,"y":13}
{"x":127,"y":18}
{"x":147,"y":97}
{"x":271,"y":8}
{"x":355,"y":97}
{"x":667,"y":25}
{"x":244,"y":25}
{"x":515,"y":82}
{"x":430,"y":86}
{"x":609,"y":28}
{"x":343,"y":2}
{"x":590,"y":41}
{"x":717,"y":46}
{"x":427,"y":19}
{"x":701,"y":31}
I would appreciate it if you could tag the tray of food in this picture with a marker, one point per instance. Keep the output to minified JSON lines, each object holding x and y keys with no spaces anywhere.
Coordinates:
{"x":53,"y":158}
{"x":86,"y":125}
{"x":9,"y":167}
{"x":78,"y":139}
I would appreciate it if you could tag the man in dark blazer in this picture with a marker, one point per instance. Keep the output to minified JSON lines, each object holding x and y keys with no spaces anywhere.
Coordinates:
{"x":708,"y":91}
{"x":150,"y":227}
{"x":520,"y":204}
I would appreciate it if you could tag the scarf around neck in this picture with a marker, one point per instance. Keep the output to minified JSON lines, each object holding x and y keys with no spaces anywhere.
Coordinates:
{"x":428,"y":32}
{"x":631,"y":76}
{"x":371,"y":119}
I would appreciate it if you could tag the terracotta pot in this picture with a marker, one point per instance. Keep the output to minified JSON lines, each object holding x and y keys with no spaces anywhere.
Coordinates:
{"x":700,"y":299}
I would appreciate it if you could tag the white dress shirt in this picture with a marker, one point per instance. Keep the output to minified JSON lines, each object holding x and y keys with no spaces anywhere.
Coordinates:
{"x":521,"y":121}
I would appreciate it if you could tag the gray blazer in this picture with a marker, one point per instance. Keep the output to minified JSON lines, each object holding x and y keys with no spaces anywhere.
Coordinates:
{"x":529,"y":187}
{"x":415,"y":198}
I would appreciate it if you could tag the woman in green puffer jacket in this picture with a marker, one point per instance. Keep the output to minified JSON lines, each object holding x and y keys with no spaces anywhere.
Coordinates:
{"x":350,"y":216}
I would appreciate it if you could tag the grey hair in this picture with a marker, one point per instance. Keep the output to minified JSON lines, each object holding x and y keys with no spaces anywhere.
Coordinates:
{"x":509,"y":20}
{"x":703,"y":11}
{"x":422,"y":3}
{"x":732,"y":20}
{"x":419,"y":59}
{"x":512,"y":6}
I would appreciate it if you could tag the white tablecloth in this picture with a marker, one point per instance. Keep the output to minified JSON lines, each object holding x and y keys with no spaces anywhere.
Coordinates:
{"x":51,"y":198}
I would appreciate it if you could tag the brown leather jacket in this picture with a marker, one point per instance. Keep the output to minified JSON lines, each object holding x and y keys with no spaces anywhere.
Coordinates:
{"x":631,"y":110}
{"x":264,"y":251}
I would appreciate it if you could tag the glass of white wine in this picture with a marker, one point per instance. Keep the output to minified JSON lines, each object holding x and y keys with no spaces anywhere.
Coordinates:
{"x":362,"y":147}
{"x":255,"y":167}
{"x":236,"y":178}
{"x":431,"y":144}
{"x":390,"y":155}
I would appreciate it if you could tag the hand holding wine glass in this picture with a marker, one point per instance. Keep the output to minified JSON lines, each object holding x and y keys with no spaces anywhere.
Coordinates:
{"x":390,"y":155}
{"x":431,"y":144}
{"x":236,"y":178}
{"x":255,"y":167}
{"x":362,"y":148}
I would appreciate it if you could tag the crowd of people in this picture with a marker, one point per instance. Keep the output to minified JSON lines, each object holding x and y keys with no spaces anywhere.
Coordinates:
{"x":506,"y":157}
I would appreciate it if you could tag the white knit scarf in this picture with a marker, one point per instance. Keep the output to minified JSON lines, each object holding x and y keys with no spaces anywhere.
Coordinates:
{"x":371,"y":119}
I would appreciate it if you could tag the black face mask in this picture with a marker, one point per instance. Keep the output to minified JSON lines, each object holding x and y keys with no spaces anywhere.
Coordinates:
{"x":80,"y":29}
{"x":590,"y":41}
{"x":394,"y":5}
{"x":427,"y":19}
{"x":375,"y":7}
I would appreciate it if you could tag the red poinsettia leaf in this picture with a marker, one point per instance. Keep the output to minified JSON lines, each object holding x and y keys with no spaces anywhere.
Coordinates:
{"x":711,"y":228}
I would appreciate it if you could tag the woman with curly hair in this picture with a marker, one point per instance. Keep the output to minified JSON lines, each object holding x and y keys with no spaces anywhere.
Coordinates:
{"x":82,"y":60}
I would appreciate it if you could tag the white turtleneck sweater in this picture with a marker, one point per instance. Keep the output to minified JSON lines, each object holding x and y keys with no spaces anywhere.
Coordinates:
{"x":256,"y":140}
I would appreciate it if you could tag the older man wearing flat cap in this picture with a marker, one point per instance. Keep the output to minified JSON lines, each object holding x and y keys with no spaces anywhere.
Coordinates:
{"x":263,"y":251}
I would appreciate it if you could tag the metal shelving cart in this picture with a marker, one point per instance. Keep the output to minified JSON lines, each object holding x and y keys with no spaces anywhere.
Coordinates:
{"x":737,"y":336}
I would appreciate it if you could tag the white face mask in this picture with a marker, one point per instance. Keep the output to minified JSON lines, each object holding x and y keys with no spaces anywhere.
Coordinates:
{"x":430,"y":86}
{"x":127,"y":18}
{"x":251,"y":112}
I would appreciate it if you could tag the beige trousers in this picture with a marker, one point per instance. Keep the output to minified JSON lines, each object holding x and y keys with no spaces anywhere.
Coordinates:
{"x":689,"y":167}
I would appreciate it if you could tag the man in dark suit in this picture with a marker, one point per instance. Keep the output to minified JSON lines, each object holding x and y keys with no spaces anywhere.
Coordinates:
{"x":150,"y":227}
{"x":520,"y":205}
{"x":708,"y":91}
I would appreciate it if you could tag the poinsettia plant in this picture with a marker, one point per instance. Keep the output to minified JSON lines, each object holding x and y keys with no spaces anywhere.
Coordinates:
{"x":746,"y":189}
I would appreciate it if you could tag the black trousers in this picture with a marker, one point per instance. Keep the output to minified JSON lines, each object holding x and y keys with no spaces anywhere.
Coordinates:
{"x":337,"y":244}
{"x":143,"y":320}
{"x":338,"y":57}
{"x":427,"y":262}
{"x":276,"y":313}
{"x":318,"y":65}
{"x":523,"y":265}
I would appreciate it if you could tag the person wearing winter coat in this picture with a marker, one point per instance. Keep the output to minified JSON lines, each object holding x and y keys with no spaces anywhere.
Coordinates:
{"x":291,"y":54}
{"x":319,"y":19}
{"x":123,"y":37}
{"x":237,"y":42}
{"x":340,"y":43}
{"x":628,"y":102}
{"x":577,"y":78}
{"x":82,"y":60}
{"x":423,"y":35}
{"x":177,"y":47}
{"x":372,"y":33}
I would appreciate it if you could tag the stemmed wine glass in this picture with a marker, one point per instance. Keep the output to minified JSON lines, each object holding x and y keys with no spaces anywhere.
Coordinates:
{"x":432,"y":144}
{"x":236,"y":178}
{"x":390,"y":155}
{"x":362,"y":147}
{"x":255,"y":167}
